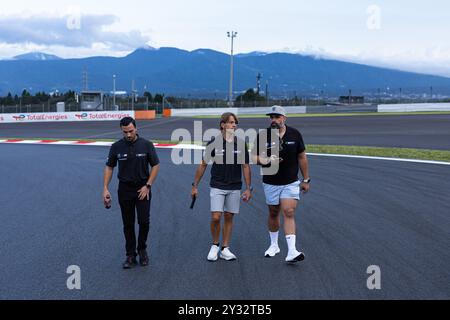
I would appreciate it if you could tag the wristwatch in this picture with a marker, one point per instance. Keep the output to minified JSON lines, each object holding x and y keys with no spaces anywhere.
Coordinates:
{"x":306,"y":180}
{"x":149,"y":186}
{"x":194,"y":185}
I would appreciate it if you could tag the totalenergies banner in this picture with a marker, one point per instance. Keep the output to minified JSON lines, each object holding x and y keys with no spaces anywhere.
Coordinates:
{"x":65,"y":116}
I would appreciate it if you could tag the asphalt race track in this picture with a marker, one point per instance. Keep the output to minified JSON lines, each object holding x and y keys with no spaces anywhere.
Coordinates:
{"x":403,"y":131}
{"x":359,"y":213}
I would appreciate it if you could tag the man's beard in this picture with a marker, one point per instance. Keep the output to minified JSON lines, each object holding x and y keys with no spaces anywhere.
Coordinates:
{"x":275,"y":125}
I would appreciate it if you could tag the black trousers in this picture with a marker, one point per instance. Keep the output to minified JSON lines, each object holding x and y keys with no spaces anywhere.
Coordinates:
{"x":129,"y":205}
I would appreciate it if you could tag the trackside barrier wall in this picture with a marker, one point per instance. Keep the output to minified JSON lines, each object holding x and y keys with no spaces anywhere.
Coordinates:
{"x":414,"y":107}
{"x":65,"y":116}
{"x":341,"y":108}
{"x":237,"y":111}
{"x":145,"y":115}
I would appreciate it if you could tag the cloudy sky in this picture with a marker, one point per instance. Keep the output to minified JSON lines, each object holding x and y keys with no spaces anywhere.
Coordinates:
{"x":405,"y":34}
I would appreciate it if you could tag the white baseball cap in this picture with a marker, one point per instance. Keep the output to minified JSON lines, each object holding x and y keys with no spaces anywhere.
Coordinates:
{"x":277,"y":110}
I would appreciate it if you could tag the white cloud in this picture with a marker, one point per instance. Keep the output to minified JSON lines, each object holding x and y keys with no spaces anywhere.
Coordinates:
{"x":71,"y":30}
{"x":408,"y":38}
{"x":433,"y":60}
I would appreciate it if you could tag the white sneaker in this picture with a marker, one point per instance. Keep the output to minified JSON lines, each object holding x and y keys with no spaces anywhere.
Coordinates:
{"x":226,"y":254}
{"x":295,"y":256}
{"x":213,"y":253}
{"x":272,"y":251}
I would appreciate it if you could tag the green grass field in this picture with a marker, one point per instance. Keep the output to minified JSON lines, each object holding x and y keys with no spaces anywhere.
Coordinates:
{"x":405,"y":153}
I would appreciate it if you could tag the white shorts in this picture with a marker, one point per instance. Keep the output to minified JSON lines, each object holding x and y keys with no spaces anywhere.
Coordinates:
{"x":274,"y":193}
{"x":225,"y":200}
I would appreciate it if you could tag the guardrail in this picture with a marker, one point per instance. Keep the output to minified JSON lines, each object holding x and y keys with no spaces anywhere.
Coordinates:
{"x":151,"y":114}
{"x":342,"y":108}
{"x":413,"y":107}
{"x":65,"y":116}
{"x":237,"y":111}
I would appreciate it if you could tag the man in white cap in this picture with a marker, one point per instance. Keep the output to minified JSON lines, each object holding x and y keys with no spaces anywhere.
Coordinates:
{"x":282,"y":189}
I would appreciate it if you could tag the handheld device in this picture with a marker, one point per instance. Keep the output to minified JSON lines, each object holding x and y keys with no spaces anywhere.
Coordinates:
{"x":108,"y":202}
{"x":193,"y":202}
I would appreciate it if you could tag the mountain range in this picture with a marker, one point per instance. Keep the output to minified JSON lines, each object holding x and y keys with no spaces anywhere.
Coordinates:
{"x":205,"y":73}
{"x":36,"y":56}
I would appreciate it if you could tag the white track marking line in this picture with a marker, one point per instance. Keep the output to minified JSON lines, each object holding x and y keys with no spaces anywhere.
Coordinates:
{"x":378,"y":158}
{"x":197,"y":147}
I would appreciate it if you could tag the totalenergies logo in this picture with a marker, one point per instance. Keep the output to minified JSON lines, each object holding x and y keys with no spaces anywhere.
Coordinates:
{"x":82,"y":116}
{"x":20,"y":117}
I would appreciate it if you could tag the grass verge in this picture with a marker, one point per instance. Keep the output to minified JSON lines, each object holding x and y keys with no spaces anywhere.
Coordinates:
{"x":406,"y":153}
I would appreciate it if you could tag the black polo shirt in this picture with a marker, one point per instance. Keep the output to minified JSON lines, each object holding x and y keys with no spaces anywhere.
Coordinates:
{"x":134,"y":158}
{"x":291,"y":146}
{"x":226,"y":172}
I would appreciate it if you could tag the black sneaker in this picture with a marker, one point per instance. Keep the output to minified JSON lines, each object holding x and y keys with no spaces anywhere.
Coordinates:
{"x":143,"y":258}
{"x":130,"y":262}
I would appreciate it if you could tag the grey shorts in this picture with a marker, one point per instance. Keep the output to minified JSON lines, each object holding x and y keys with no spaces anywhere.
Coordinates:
{"x":275,"y":193}
{"x":225,"y":200}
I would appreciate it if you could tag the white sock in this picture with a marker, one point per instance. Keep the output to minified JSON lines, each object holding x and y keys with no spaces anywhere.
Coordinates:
{"x":274,"y":238}
{"x":290,"y":239}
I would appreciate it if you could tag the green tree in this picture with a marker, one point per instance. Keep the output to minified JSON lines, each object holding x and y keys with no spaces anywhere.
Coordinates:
{"x":69,"y":95}
{"x":172,"y":100}
{"x":249,"y":96}
{"x":9,"y":101}
{"x":158,"y":98}
{"x":148,"y":95}
{"x":42,"y":97}
{"x":26,"y":97}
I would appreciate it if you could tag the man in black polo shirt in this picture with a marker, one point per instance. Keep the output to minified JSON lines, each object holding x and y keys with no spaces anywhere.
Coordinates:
{"x":229,"y":155}
{"x":134,"y":155}
{"x":282,"y":147}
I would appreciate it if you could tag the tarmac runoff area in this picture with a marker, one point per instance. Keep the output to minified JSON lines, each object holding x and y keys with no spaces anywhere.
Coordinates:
{"x":359,"y":213}
{"x":397,"y":131}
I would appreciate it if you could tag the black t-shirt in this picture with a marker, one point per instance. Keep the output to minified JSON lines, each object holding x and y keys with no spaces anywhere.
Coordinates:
{"x":228,"y":158}
{"x":134,"y":158}
{"x":291,"y":146}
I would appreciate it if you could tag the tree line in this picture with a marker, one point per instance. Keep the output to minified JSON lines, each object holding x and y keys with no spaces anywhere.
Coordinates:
{"x":26,"y":98}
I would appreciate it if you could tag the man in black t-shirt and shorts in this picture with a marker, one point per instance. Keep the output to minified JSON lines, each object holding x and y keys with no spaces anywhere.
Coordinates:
{"x":282,"y":147}
{"x":229,"y":155}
